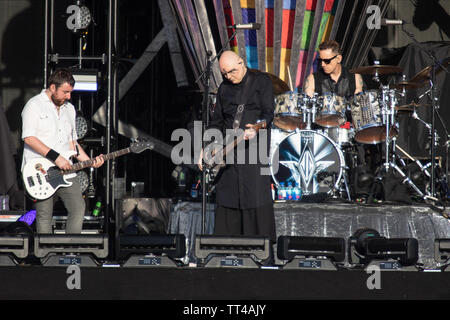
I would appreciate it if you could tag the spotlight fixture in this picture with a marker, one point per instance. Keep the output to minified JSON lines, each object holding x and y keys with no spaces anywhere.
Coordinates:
{"x":232,"y":251}
{"x":66,"y":249}
{"x":81,"y":125}
{"x":313,"y":253}
{"x":442,"y":252}
{"x":367,"y":246}
{"x":85,"y":80}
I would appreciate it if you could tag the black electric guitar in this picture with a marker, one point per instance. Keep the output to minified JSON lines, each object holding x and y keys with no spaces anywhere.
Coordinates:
{"x":213,"y":166}
{"x":42,"y":178}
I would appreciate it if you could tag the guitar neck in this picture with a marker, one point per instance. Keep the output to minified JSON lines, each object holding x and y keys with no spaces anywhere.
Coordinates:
{"x":240,"y":138}
{"x":88,"y":163}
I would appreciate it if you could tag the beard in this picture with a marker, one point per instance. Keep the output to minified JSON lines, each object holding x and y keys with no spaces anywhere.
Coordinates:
{"x":56,"y":101}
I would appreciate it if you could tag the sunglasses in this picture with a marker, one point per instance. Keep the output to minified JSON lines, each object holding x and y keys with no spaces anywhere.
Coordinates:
{"x":327,"y":61}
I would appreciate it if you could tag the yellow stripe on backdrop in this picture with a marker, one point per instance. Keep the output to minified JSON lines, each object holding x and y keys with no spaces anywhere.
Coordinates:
{"x":248,"y":4}
{"x":269,"y":60}
{"x":285,"y":58}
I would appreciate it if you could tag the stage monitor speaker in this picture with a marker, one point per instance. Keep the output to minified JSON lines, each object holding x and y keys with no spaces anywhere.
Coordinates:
{"x":312,"y":253}
{"x":66,"y":249}
{"x":232,"y":251}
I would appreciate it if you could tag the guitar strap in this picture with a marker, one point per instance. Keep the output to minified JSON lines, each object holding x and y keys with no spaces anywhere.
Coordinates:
{"x":241,"y":100}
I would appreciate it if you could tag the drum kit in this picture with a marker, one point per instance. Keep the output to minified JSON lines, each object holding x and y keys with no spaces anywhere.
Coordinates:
{"x":314,"y":137}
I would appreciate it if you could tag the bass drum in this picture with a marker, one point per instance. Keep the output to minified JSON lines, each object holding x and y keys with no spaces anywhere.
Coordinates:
{"x":309,"y":158}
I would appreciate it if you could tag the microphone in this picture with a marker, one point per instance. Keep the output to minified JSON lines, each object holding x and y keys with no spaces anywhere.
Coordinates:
{"x":246,"y":26}
{"x":392,"y":22}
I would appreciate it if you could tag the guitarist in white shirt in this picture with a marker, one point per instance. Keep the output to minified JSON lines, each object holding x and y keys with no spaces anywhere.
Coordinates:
{"x":48,"y":130}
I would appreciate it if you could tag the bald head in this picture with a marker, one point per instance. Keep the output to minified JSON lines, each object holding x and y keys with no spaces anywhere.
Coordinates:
{"x":232,"y":67}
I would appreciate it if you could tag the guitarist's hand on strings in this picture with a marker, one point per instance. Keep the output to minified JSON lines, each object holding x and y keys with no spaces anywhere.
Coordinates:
{"x":98,"y":161}
{"x":249,"y":133}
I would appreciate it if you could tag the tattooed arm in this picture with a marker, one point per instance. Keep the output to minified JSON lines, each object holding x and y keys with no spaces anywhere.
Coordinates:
{"x":308,"y":87}
{"x":359,"y":83}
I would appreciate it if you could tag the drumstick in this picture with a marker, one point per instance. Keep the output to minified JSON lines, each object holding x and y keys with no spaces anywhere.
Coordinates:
{"x":412,"y":159}
{"x":406,"y":154}
{"x":290,"y":78}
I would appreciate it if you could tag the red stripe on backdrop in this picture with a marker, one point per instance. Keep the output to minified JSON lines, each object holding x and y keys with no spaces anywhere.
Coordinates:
{"x":311,"y":5}
{"x":328,"y":5}
{"x":287,"y":29}
{"x":269,"y":27}
{"x":230,"y":21}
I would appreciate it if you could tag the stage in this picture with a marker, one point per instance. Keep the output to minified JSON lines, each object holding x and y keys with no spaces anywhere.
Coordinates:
{"x":110,"y":280}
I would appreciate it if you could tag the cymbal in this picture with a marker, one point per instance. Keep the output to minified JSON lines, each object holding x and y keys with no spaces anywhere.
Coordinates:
{"x":425,"y":73}
{"x":410,"y":107}
{"x":377,"y":69}
{"x":279,"y":86}
{"x":406,"y":85}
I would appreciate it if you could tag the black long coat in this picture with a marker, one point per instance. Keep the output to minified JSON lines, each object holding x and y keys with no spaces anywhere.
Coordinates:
{"x":241,"y":186}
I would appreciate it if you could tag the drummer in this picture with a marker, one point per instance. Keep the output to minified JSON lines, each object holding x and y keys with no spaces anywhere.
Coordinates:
{"x":332,"y":76}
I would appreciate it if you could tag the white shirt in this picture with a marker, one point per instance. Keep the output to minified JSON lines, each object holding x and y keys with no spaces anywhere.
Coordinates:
{"x":41,"y":120}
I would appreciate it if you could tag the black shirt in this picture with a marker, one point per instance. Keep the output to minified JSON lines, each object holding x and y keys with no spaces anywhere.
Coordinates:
{"x":241,"y":186}
{"x":344,"y":87}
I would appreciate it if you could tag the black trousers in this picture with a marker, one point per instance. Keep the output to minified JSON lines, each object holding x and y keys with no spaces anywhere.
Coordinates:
{"x":248,"y":222}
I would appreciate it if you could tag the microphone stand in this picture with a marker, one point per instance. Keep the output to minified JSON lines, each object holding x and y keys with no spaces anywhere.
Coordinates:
{"x":206,"y":75}
{"x":434,"y":104}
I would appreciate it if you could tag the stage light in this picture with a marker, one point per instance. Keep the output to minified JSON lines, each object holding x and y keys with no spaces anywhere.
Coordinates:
{"x":15,"y":240}
{"x":368,"y":247}
{"x":65,"y":249}
{"x":85,"y":80}
{"x":314,"y":253}
{"x":442,"y":252}
{"x":164,"y":250}
{"x":81,"y":126}
{"x":232,"y":251}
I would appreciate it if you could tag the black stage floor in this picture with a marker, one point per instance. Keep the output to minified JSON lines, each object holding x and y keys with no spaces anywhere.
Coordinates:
{"x":38,"y":282}
{"x":112,"y":282}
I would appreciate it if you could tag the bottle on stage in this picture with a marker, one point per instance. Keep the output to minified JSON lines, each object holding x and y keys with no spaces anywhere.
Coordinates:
{"x":97,"y":208}
{"x":289,"y":191}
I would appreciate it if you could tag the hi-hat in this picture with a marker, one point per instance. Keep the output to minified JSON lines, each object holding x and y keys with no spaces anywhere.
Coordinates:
{"x":410,"y":107}
{"x":377,"y":69}
{"x":406,"y":85}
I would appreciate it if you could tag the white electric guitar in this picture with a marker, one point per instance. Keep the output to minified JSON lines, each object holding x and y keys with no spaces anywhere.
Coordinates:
{"x":42,"y":178}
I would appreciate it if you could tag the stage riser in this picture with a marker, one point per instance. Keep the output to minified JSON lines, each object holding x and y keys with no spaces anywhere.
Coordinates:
{"x":332,"y":220}
{"x":342,"y":220}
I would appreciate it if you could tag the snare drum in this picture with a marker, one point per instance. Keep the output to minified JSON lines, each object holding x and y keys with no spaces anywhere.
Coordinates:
{"x":367,"y":118}
{"x":331,"y":110}
{"x":288,"y":114}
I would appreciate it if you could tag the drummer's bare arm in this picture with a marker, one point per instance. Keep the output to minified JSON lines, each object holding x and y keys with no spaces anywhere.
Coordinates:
{"x":308,"y":87}
{"x":359,"y":83}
